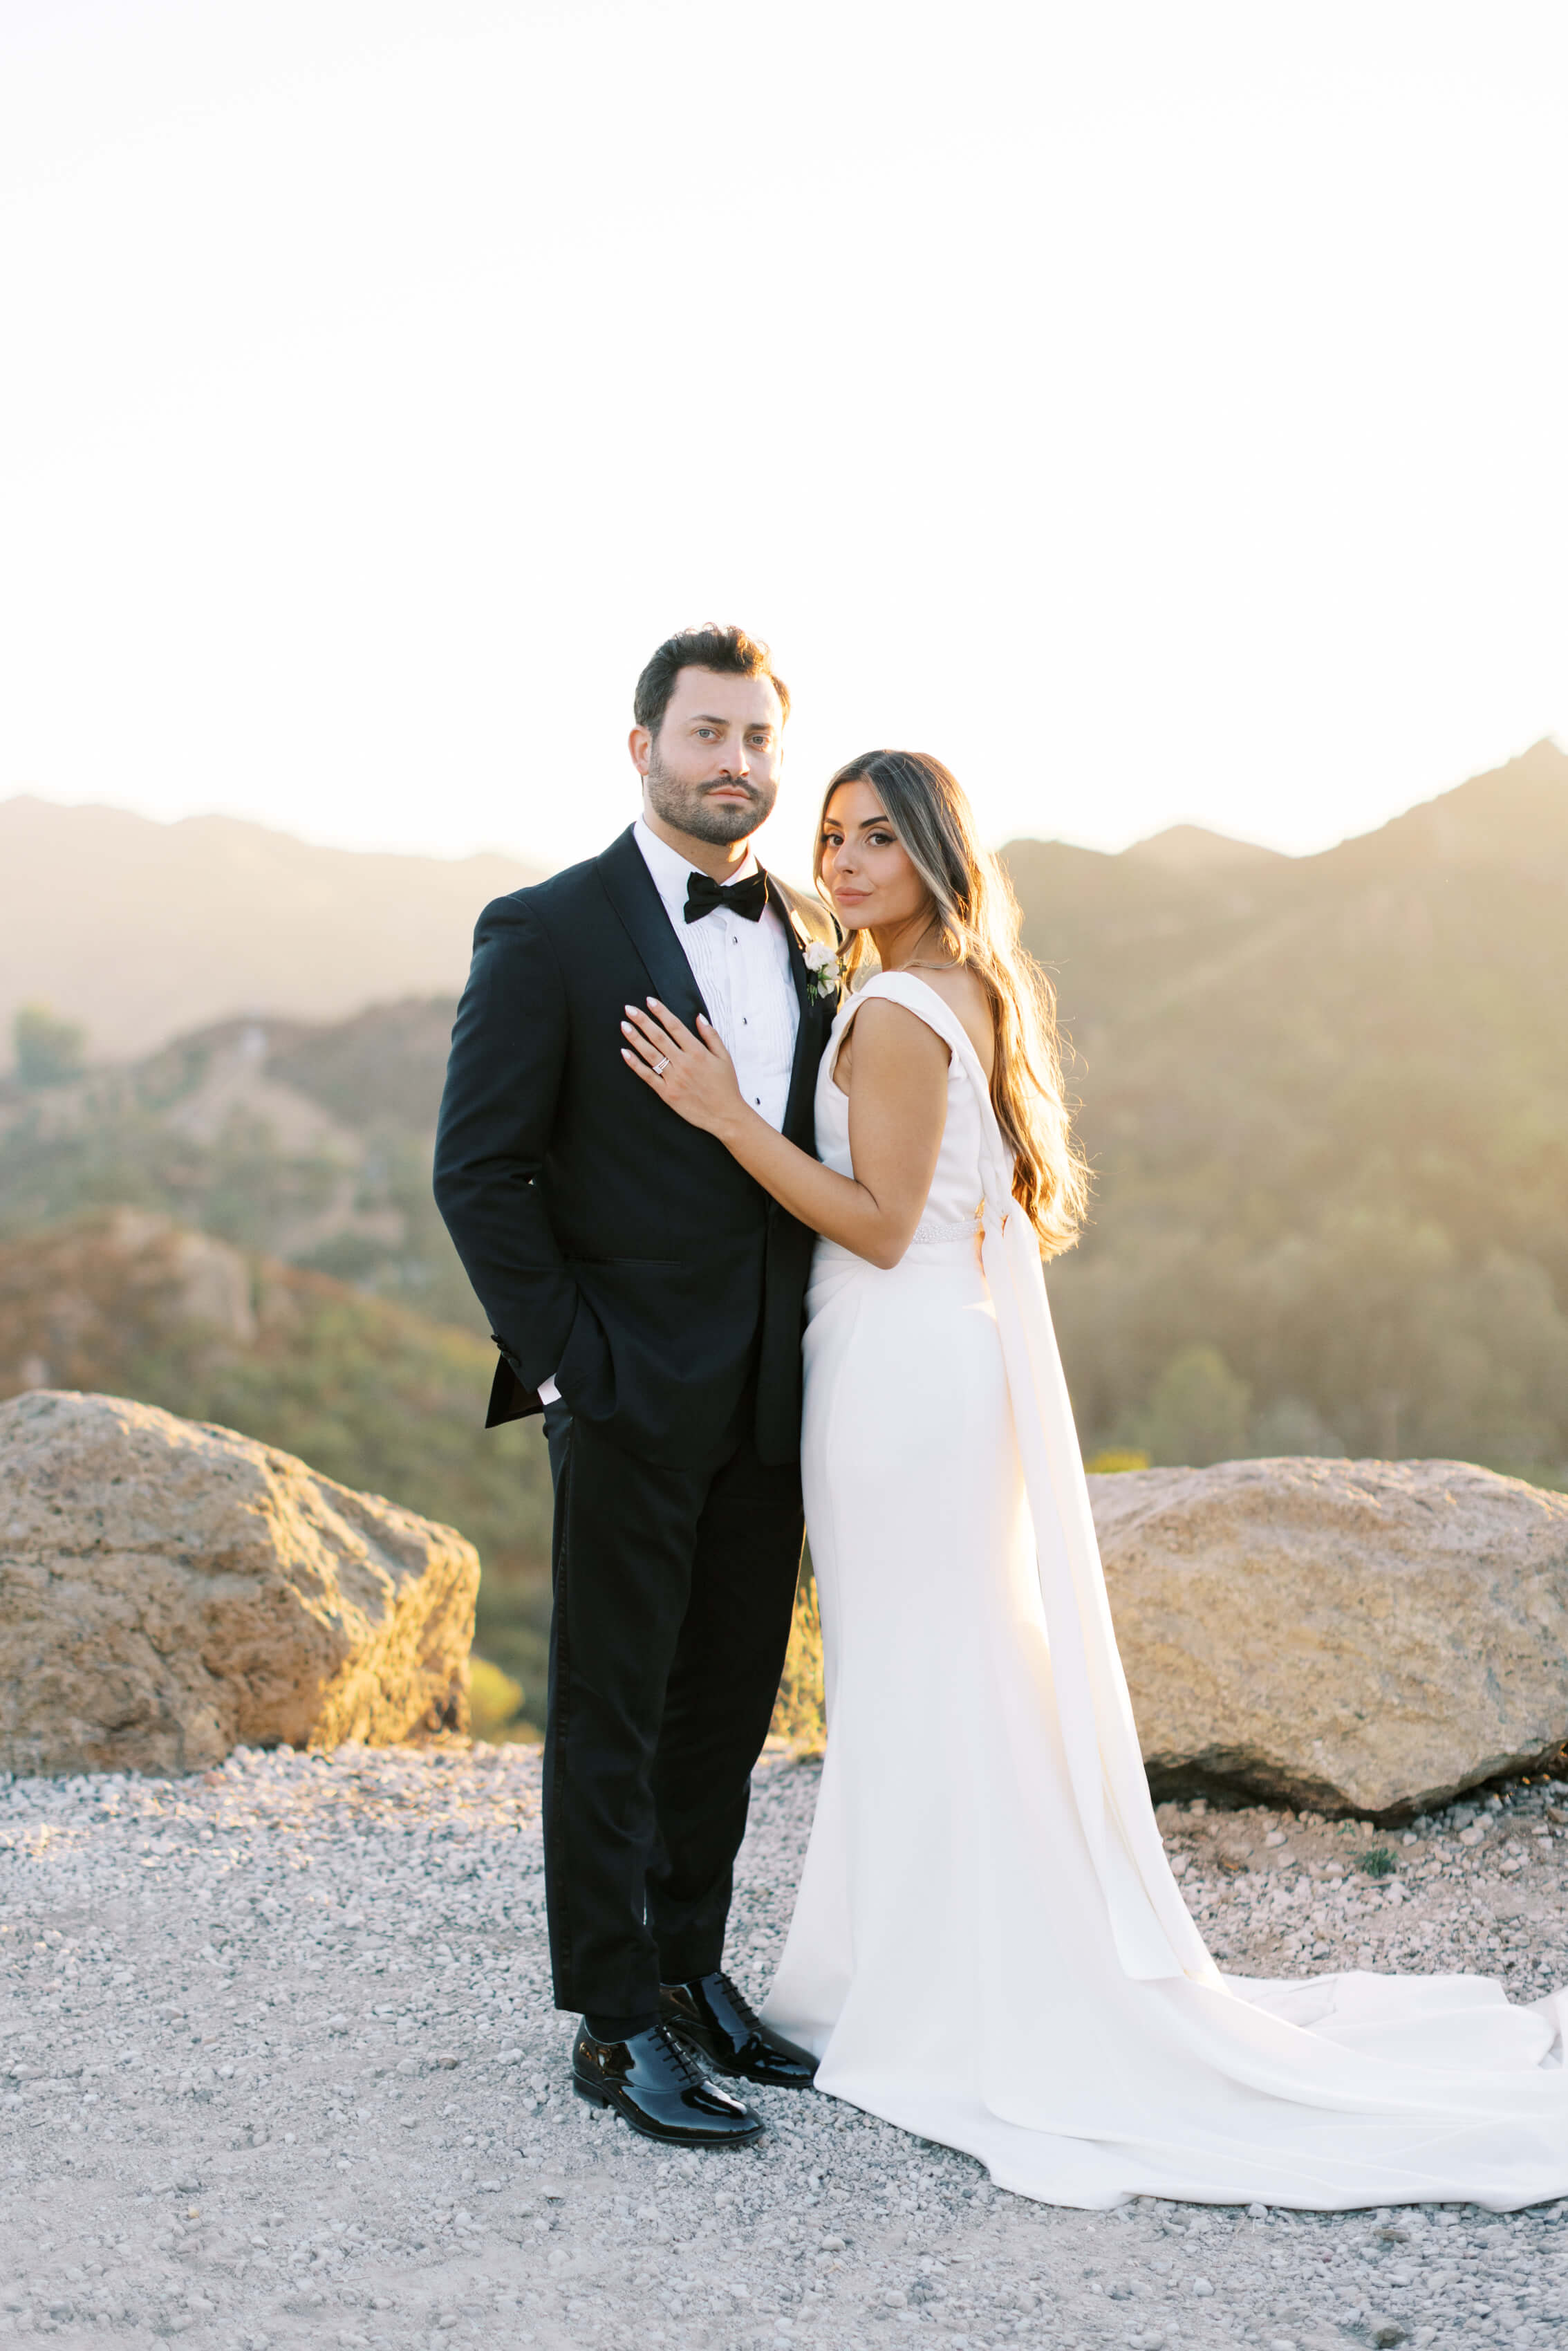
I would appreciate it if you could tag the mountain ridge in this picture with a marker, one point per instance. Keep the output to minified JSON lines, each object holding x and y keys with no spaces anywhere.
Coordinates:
{"x":1196,"y":848}
{"x":146,"y":932}
{"x":139,"y":931}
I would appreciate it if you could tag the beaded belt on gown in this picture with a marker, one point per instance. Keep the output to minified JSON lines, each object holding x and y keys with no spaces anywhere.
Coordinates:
{"x":925,"y":1235}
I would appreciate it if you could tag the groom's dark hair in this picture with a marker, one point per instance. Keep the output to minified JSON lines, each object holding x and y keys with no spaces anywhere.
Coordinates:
{"x":729,"y":651}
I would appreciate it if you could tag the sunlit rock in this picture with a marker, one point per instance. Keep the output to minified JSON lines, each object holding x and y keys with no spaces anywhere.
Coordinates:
{"x":168,"y":1591}
{"x":1364,"y":1636}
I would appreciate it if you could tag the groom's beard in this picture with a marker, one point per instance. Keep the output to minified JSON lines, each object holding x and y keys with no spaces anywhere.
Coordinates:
{"x":690,"y":810}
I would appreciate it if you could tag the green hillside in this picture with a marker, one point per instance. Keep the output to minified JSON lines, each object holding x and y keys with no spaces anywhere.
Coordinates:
{"x":1326,"y":1099}
{"x":307,"y":1143}
{"x":1327,"y":1102}
{"x":128,"y":1303}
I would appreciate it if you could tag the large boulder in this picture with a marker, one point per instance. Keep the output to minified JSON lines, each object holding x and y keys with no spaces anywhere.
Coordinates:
{"x":168,"y":1591}
{"x":1361,"y":1636}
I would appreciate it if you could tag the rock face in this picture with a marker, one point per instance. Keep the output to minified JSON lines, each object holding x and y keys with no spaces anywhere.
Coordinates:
{"x":170,"y":1591}
{"x":1364,"y":1636}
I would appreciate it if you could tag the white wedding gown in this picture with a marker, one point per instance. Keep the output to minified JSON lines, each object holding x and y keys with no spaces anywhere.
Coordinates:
{"x":988,"y":1949}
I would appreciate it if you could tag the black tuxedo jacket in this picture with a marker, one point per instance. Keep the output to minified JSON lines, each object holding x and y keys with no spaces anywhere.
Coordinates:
{"x":611,"y":1244}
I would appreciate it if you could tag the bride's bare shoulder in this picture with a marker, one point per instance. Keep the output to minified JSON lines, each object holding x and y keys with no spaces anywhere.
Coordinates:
{"x":965,"y":995}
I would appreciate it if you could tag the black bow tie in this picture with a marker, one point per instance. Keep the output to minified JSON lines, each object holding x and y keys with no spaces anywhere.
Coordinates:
{"x":746,"y":899}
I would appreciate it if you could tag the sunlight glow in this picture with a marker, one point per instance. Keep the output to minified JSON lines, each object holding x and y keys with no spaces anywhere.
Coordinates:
{"x":1157,"y":413}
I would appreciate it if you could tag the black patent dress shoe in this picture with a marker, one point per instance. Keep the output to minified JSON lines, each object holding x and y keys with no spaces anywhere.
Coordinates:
{"x":651,"y":2080}
{"x":721,"y":2025}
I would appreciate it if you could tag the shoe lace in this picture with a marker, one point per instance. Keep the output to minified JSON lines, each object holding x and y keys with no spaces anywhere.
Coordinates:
{"x":678,"y":2060}
{"x":741,"y":2005}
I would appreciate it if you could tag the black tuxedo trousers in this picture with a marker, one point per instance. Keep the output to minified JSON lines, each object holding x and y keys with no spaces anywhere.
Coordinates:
{"x":673,"y":1592}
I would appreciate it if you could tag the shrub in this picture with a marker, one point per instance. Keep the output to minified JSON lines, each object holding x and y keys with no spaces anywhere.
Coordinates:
{"x":494,"y":1700}
{"x":48,"y":1050}
{"x":799,"y":1714}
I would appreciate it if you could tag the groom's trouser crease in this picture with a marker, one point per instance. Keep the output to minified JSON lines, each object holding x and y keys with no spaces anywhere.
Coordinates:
{"x":674,"y":1590}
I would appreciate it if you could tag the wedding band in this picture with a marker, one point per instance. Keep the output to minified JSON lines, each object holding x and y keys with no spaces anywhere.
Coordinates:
{"x":661,"y":1065}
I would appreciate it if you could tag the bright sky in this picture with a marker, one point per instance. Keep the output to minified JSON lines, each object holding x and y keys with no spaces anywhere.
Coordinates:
{"x":1158,"y":411}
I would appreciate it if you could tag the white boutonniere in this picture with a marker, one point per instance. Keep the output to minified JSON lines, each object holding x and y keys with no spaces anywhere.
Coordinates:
{"x":827,"y":979}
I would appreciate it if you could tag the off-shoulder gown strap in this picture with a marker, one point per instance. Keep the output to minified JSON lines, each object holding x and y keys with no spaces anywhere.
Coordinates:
{"x":916,"y":996}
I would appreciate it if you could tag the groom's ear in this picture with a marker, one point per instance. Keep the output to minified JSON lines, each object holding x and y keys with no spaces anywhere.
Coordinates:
{"x":639,"y":743}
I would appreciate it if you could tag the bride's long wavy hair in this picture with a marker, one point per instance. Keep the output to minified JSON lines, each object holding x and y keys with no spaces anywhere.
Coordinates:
{"x":977,"y":921}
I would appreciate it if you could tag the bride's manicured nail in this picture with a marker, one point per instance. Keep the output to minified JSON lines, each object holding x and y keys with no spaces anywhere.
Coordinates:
{"x":629,"y":1009}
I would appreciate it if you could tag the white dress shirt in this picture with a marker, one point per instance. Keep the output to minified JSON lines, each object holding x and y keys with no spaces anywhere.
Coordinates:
{"x":742,"y":972}
{"x":743,"y":975}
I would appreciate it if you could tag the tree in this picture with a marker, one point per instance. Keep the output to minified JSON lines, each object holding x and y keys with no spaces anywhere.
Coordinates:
{"x":48,"y":1050}
{"x":1198,"y":1413}
{"x":1289,"y":1425}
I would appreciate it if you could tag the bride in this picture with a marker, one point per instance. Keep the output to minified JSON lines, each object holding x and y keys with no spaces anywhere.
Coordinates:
{"x":988,"y":1948}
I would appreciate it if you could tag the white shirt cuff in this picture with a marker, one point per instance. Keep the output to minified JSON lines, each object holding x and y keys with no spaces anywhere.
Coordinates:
{"x":548,"y":1392}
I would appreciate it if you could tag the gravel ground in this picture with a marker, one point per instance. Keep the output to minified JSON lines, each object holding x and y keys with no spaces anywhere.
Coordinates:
{"x":277,"y":2067}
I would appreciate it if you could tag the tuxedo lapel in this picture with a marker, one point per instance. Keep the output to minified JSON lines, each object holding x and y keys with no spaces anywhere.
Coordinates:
{"x":630,"y":888}
{"x":800,"y":1109}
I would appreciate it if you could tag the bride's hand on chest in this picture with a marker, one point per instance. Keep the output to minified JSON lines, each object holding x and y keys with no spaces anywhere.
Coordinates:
{"x":692,"y":1072}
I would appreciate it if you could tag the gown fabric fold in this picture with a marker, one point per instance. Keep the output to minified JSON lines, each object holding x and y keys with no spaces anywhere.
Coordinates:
{"x":988,"y":1949}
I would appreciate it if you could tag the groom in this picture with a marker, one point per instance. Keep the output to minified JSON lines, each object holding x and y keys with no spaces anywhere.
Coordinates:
{"x":647,"y":1295}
